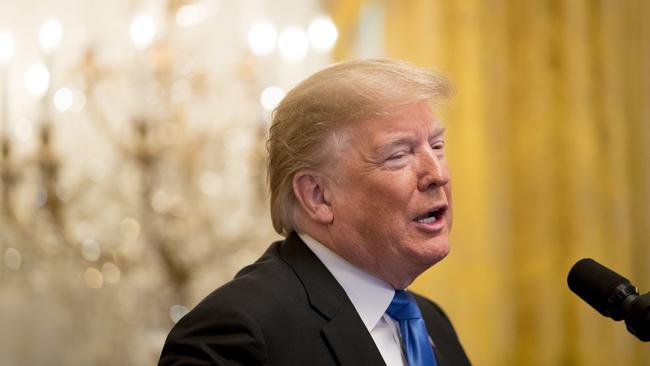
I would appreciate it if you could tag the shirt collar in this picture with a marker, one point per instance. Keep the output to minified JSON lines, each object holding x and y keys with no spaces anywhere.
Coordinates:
{"x":369,"y":294}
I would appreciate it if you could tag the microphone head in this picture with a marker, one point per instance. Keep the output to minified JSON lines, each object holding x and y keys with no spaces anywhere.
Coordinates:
{"x":599,"y":286}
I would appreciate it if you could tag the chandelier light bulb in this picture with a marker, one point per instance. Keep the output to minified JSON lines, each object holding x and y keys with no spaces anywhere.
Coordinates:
{"x":93,"y":278}
{"x":190,"y":15}
{"x":63,"y":99}
{"x":78,"y":101}
{"x":293,"y":44}
{"x":12,"y":259}
{"x":262,"y":38}
{"x":49,"y":35}
{"x":37,"y":80}
{"x":111,"y":272}
{"x":271,"y":96}
{"x":322,"y":34}
{"x":143,"y":29}
{"x":23,"y":130}
{"x":7,"y":47}
{"x":176,"y":312}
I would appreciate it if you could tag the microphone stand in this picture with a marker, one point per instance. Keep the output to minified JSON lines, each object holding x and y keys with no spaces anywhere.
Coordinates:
{"x":637,"y":315}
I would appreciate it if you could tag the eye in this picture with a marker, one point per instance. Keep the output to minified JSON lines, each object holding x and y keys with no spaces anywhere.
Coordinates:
{"x":397,"y":156}
{"x":438,"y":145}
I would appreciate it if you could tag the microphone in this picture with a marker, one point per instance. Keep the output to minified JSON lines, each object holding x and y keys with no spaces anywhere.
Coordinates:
{"x":612,"y":295}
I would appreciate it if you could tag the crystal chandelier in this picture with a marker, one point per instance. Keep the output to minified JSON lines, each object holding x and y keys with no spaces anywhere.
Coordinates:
{"x":132,"y":163}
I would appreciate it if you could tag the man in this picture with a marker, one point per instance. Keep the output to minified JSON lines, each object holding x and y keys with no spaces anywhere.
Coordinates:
{"x":361,"y":190}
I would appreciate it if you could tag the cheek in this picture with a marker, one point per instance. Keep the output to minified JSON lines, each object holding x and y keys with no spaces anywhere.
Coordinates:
{"x":381,"y":187}
{"x":377,"y":199}
{"x":389,"y":200}
{"x":377,"y":210}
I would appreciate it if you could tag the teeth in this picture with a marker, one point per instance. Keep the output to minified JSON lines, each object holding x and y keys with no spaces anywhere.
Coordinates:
{"x":429,"y":217}
{"x":428,"y":220}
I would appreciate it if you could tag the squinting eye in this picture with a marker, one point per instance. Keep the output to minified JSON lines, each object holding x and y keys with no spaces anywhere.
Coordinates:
{"x":438,"y":146}
{"x":397,"y":156}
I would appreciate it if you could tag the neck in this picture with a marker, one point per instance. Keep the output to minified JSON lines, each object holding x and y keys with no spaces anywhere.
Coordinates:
{"x":398,"y":276}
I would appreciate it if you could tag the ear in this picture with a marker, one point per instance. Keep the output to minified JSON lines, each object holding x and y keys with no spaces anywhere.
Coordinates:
{"x":311,"y":195}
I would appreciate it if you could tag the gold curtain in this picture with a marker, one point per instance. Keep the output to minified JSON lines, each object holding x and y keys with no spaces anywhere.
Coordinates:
{"x":549,"y":142}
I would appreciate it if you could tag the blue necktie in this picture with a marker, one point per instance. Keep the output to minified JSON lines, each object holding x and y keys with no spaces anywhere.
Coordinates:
{"x":415,"y":338}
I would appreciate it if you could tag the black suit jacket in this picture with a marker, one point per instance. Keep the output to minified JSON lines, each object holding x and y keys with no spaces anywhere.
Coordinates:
{"x":287,"y":309}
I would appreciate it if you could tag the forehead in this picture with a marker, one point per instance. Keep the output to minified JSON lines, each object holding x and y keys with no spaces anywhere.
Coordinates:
{"x":410,"y":122}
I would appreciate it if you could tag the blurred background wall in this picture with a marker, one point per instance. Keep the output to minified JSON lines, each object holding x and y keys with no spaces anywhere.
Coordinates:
{"x":132,"y":167}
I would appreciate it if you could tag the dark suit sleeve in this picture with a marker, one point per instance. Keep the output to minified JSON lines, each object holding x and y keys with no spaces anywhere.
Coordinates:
{"x":215,"y":334}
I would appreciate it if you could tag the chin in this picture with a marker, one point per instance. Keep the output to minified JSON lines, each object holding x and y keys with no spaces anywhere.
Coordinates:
{"x":436,"y":251}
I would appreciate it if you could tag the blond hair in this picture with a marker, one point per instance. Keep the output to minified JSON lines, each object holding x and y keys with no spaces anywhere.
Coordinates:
{"x":305,"y":121}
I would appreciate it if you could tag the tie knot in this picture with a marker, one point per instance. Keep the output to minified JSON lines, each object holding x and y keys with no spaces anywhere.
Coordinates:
{"x":403,"y":307}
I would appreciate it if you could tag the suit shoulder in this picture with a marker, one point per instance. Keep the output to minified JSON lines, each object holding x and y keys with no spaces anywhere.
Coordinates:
{"x":259,"y":284}
{"x":228,"y":324}
{"x":269,"y":274}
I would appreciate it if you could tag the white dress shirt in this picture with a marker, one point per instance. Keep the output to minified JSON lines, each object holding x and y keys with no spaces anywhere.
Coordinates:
{"x":370,"y":297}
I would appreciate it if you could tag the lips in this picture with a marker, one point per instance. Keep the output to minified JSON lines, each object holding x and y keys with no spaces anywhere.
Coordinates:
{"x":432,"y":215}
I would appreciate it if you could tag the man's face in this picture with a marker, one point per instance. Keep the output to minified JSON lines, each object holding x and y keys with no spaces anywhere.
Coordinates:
{"x":391,"y":194}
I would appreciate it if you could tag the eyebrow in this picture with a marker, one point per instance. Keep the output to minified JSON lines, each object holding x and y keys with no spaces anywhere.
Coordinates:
{"x":408,"y":140}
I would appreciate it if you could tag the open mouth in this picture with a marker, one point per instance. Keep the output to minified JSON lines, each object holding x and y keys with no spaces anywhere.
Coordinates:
{"x":431,"y":216}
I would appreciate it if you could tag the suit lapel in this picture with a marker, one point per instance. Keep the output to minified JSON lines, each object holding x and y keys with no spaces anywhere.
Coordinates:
{"x":441,"y":360}
{"x":351,"y":346}
{"x":345,"y":332}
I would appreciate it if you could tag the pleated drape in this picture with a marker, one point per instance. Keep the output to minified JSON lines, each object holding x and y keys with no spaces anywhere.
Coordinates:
{"x":549,"y":142}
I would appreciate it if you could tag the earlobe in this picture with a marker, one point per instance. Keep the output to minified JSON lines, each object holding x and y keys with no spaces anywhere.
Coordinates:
{"x":312,"y":197}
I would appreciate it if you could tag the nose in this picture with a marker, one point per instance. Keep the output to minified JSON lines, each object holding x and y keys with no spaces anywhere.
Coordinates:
{"x":432,"y":171}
